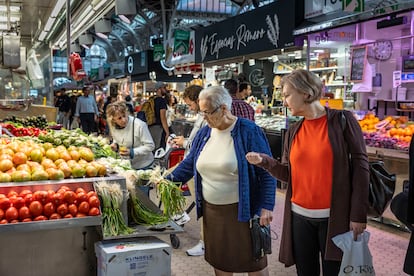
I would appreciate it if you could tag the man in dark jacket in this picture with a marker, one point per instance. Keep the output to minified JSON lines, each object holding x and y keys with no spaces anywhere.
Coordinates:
{"x":63,"y":103}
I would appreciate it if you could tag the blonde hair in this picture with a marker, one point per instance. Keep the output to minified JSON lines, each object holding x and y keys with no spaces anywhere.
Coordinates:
{"x":115,"y":109}
{"x":305,"y":82}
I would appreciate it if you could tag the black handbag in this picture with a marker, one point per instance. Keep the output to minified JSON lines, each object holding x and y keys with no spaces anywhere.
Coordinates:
{"x":261,"y":239}
{"x":381,"y":188}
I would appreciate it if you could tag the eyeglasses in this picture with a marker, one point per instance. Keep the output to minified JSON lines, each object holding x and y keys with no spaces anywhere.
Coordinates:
{"x":207,"y":113}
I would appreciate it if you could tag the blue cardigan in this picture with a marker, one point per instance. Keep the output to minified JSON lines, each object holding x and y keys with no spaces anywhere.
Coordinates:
{"x":257,"y":187}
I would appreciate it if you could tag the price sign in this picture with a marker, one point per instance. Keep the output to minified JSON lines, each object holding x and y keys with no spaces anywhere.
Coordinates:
{"x":358,"y":58}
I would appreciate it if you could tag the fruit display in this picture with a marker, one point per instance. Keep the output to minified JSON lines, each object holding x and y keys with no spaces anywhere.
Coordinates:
{"x":20,"y":131}
{"x":27,"y":160}
{"x":24,"y":204}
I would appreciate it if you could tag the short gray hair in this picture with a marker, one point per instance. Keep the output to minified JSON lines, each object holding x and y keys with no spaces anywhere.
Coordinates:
{"x":305,"y":82}
{"x":217,"y":96}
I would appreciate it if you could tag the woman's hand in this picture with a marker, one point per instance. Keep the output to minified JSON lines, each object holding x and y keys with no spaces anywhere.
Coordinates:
{"x":179,"y":141}
{"x":357,"y":228}
{"x":114,"y":147}
{"x":254,"y":158}
{"x":266,"y":217}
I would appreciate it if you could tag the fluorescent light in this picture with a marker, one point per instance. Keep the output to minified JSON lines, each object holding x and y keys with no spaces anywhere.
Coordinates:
{"x":124,"y":19}
{"x":275,"y":58}
{"x":49,"y":23}
{"x":319,"y":51}
{"x":14,"y":18}
{"x":14,"y":8}
{"x":85,"y":46}
{"x":100,"y":4}
{"x":4,"y":26}
{"x":86,"y":12}
{"x":42,"y":35}
{"x":3,"y":18}
{"x":102,"y":35}
{"x":58,"y":7}
{"x":82,"y":22}
{"x":252,"y":62}
{"x":3,"y":8}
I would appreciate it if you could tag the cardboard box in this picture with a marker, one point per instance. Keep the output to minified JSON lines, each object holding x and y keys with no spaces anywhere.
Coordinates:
{"x":147,"y":256}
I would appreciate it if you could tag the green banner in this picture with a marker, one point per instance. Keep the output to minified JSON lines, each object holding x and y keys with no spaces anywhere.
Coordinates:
{"x":181,"y":41}
{"x":158,"y":52}
{"x":353,"y":5}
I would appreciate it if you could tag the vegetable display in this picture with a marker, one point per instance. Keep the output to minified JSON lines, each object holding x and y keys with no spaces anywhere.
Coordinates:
{"x":64,"y":203}
{"x":112,"y":220}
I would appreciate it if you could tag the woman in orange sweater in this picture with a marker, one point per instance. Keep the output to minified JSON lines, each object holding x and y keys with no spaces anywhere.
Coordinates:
{"x":324,"y":197}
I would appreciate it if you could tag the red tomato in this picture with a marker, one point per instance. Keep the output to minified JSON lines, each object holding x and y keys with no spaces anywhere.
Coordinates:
{"x":12,"y":193}
{"x":80,"y":215}
{"x":69,"y":197}
{"x":73,"y":209}
{"x":62,"y":209}
{"x":28,"y":199}
{"x":38,"y":218}
{"x":36,"y":208}
{"x":5,"y":203}
{"x":27,"y":220}
{"x":68,"y":216}
{"x":83,"y":207}
{"x":81,"y":197}
{"x":24,"y":213}
{"x":12,"y":213}
{"x":48,"y":209}
{"x":2,"y":196}
{"x":15,"y":221}
{"x":18,"y":202}
{"x":55,"y":216}
{"x":1,"y":214}
{"x":24,"y":193}
{"x":57,"y":199}
{"x":3,"y":221}
{"x":61,"y":191}
{"x":91,"y":193}
{"x":41,"y":196}
{"x":50,"y":194}
{"x":94,"y":211}
{"x":66,"y":188}
{"x":94,"y":201}
{"x":78,"y":190}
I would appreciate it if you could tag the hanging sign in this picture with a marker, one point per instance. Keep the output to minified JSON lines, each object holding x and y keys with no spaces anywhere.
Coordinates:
{"x":181,"y":41}
{"x":263,"y":29}
{"x":158,"y":52}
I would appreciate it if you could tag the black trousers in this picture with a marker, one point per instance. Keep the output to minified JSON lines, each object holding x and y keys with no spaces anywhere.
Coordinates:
{"x":88,"y":122}
{"x":309,"y":240}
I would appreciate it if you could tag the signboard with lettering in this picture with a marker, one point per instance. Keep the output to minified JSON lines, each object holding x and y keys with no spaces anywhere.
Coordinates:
{"x":136,"y":63}
{"x":315,"y":8}
{"x":358,"y":59}
{"x":266,"y":28}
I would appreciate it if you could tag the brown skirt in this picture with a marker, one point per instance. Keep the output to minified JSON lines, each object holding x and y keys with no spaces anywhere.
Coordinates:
{"x":228,"y":244}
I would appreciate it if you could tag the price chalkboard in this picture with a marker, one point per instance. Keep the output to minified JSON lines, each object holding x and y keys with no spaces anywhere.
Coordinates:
{"x":358,"y":58}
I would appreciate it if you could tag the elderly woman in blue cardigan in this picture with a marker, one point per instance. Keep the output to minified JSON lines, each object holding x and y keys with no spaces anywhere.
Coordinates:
{"x":229,"y":190}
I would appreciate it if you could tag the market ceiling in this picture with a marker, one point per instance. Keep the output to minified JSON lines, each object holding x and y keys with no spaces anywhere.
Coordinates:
{"x":33,"y":16}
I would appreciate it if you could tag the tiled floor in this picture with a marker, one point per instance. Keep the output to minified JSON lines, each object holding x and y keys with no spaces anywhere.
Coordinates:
{"x":387,"y":245}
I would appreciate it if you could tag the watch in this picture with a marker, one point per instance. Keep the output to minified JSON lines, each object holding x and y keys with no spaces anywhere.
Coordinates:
{"x":382,"y":49}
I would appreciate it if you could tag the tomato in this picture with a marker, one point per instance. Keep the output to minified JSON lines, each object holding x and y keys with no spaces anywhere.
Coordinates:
{"x":27,"y":220}
{"x":3,"y":221}
{"x":69,"y":197}
{"x":83,"y":207}
{"x":1,"y":214}
{"x":5,"y":203}
{"x":66,"y":188}
{"x":41,"y":196}
{"x":81,"y":197}
{"x":94,"y":201}
{"x":62,"y":209}
{"x":50,"y":194}
{"x":28,"y":199}
{"x":2,"y":196}
{"x":73,"y":209}
{"x":11,"y":213}
{"x":91,"y":193}
{"x":12,"y":193}
{"x":36,"y":208}
{"x":18,"y":202}
{"x":38,"y":218}
{"x":48,"y":209}
{"x":24,"y":213}
{"x":55,"y":216}
{"x":80,"y":215}
{"x":61,"y":191}
{"x":68,"y":216}
{"x":57,"y":199}
{"x":94,"y":211}
{"x":79,"y":190}
{"x":24,"y":193}
{"x":15,"y":221}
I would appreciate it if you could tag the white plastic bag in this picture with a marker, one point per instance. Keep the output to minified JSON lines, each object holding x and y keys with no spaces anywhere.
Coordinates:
{"x":357,"y":259}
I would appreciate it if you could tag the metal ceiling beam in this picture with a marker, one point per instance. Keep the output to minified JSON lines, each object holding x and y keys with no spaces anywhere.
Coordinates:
{"x":128,"y":29}
{"x":104,"y":41}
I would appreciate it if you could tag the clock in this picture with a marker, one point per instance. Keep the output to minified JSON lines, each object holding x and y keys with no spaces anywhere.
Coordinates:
{"x":382,"y":49}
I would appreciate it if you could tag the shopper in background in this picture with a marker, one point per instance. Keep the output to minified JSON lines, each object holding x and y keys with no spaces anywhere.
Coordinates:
{"x":245,"y":90}
{"x":325,"y":197}
{"x":130,"y":135}
{"x":128,"y":101}
{"x":238,"y":107}
{"x":63,"y":104}
{"x":171,"y":103}
{"x":160,"y":128}
{"x":190,"y":97}
{"x":228,"y":190}
{"x":87,"y":111}
{"x":72,"y":122}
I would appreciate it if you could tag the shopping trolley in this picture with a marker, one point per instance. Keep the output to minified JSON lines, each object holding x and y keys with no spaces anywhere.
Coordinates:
{"x":167,"y":160}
